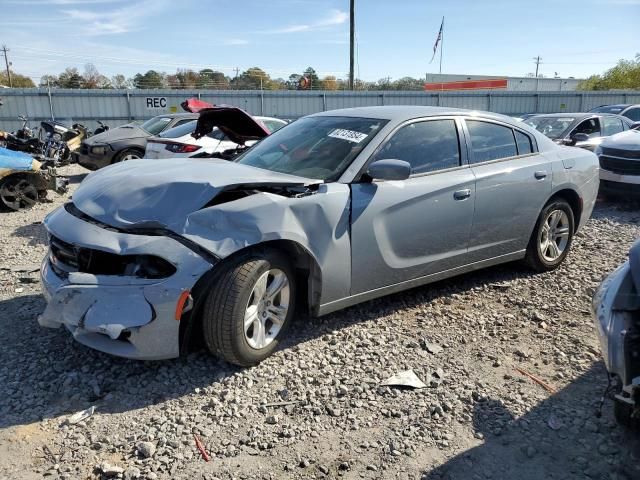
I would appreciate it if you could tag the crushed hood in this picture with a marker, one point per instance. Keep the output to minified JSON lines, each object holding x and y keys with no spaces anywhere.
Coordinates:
{"x":235,"y":123}
{"x":162,"y":193}
{"x":629,"y":140}
{"x":118,"y":133}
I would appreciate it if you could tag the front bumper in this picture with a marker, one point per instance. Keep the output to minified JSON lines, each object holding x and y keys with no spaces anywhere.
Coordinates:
{"x":121,"y":315}
{"x":619,"y":178}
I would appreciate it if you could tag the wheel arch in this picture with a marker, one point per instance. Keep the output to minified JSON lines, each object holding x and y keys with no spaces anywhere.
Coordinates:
{"x":308,"y":278}
{"x":575,"y":202}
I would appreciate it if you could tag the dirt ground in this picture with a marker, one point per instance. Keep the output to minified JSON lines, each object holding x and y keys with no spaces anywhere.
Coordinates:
{"x":316,"y":409}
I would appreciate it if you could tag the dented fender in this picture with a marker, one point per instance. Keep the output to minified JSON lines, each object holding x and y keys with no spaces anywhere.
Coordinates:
{"x":317,"y":222}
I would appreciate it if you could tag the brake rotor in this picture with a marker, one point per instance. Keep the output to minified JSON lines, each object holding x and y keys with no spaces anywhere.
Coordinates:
{"x":18,"y":193}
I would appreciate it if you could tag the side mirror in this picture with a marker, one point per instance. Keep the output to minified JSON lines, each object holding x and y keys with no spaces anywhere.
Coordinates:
{"x":575,"y":138}
{"x":635,"y":126}
{"x":390,"y":169}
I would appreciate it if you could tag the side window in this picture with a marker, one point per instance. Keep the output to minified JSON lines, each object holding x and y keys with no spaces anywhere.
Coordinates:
{"x":428,"y":146}
{"x":490,"y":141}
{"x":524,"y":143}
{"x":591,"y":127}
{"x":633,"y":114}
{"x":611,"y":125}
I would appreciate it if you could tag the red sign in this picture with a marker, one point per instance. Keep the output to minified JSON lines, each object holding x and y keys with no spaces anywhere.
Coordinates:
{"x":467,"y":85}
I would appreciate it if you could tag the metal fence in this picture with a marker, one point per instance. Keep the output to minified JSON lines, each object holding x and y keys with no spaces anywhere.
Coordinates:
{"x":116,"y":107}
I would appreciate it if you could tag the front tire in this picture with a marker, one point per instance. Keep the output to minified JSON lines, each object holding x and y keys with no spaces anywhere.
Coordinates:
{"x":552,"y":236}
{"x":249,"y":308}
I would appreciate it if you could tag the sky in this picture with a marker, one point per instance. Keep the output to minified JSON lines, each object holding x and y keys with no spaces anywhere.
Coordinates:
{"x":394,"y":38}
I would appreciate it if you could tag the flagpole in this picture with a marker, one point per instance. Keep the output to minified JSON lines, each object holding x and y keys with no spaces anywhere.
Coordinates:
{"x":441,"y":46}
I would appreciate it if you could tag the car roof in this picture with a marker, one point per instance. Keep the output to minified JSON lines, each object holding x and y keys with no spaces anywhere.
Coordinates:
{"x":179,"y":115}
{"x":399,"y":113}
{"x":578,"y":115}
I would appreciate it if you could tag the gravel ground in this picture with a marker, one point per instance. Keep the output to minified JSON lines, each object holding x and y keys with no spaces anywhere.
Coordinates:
{"x":316,"y":409}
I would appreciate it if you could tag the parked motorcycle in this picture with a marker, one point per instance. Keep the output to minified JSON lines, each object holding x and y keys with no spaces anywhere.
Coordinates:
{"x":24,"y":139}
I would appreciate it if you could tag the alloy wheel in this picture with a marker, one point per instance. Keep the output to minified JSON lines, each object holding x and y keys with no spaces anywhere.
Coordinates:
{"x":267,"y":308}
{"x":554,"y":235}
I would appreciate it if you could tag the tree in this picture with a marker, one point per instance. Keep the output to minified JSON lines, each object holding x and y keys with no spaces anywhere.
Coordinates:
{"x":92,"y":78}
{"x":253,"y":78}
{"x":212,"y":79}
{"x":408,"y":83}
{"x":313,"y":81}
{"x":17,"y":80}
{"x":625,"y":75}
{"x":120,"y":81}
{"x":70,"y":78}
{"x":151,"y":79}
{"x":329,"y":83}
{"x":48,"y":81}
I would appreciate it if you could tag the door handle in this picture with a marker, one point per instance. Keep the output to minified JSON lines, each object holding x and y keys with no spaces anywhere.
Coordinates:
{"x":462,"y":194}
{"x":540,"y":174}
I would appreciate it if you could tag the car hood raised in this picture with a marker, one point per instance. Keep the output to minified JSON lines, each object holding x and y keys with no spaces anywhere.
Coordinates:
{"x":236,"y":124}
{"x":116,"y":134}
{"x":162,"y":193}
{"x":629,"y":140}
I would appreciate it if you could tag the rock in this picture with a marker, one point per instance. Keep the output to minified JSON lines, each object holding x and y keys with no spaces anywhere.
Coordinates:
{"x":132,"y":473}
{"x":110,"y":470}
{"x":146,"y":449}
{"x":272,"y":419}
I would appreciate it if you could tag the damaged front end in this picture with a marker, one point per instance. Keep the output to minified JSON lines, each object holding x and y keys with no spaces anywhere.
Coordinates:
{"x":117,"y":292}
{"x":127,"y":257}
{"x":616,"y":307}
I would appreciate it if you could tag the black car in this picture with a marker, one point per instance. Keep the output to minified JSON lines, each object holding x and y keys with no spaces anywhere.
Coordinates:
{"x":127,"y":142}
{"x":632,"y":112}
{"x":585,"y":130}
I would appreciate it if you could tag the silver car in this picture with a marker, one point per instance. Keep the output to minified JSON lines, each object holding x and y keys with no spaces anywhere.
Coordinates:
{"x":334,"y":209}
{"x":616,"y":309}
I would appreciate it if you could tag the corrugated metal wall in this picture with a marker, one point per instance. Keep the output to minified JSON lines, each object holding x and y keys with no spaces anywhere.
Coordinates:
{"x":116,"y":107}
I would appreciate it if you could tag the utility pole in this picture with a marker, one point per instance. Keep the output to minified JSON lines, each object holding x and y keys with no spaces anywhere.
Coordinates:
{"x":237,"y":70}
{"x":6,"y":62}
{"x":538,"y":61}
{"x":352,"y":35}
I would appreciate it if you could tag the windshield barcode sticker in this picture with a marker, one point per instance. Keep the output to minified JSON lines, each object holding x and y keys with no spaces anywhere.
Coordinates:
{"x":349,"y":135}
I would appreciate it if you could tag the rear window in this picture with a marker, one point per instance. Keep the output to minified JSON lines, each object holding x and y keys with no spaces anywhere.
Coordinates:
{"x":180,"y":131}
{"x":609,"y":109}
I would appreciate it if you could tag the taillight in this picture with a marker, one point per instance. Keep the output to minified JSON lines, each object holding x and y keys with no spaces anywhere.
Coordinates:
{"x":181,"y":148}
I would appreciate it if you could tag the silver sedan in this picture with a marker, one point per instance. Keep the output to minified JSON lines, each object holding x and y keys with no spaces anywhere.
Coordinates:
{"x":334,"y":209}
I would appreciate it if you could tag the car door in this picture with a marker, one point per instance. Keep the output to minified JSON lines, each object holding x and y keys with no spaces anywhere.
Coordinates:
{"x":401,"y":230}
{"x":513,"y":182}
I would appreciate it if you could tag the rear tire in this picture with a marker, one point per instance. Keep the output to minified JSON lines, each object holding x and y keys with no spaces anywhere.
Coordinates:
{"x":552,"y":236}
{"x":128,"y":154}
{"x":249,"y":308}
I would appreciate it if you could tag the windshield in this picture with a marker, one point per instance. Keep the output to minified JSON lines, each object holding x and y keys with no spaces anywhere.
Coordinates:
{"x":155,"y":125}
{"x":314,"y":147}
{"x":180,"y":131}
{"x":609,"y":109}
{"x":552,"y":127}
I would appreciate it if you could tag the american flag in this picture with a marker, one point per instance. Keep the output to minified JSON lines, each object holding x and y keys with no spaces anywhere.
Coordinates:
{"x":435,"y":45}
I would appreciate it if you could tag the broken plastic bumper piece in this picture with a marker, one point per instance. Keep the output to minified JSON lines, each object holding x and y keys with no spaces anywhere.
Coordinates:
{"x":114,"y":291}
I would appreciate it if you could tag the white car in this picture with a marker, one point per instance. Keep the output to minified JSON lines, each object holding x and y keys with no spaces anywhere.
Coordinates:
{"x":178,"y":142}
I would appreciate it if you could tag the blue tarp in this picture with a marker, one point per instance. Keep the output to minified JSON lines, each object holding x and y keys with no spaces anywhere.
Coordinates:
{"x":15,"y":160}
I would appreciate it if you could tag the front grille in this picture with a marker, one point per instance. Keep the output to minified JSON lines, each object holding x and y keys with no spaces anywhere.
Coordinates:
{"x":616,"y":152}
{"x":620,"y":165}
{"x":66,"y":258}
